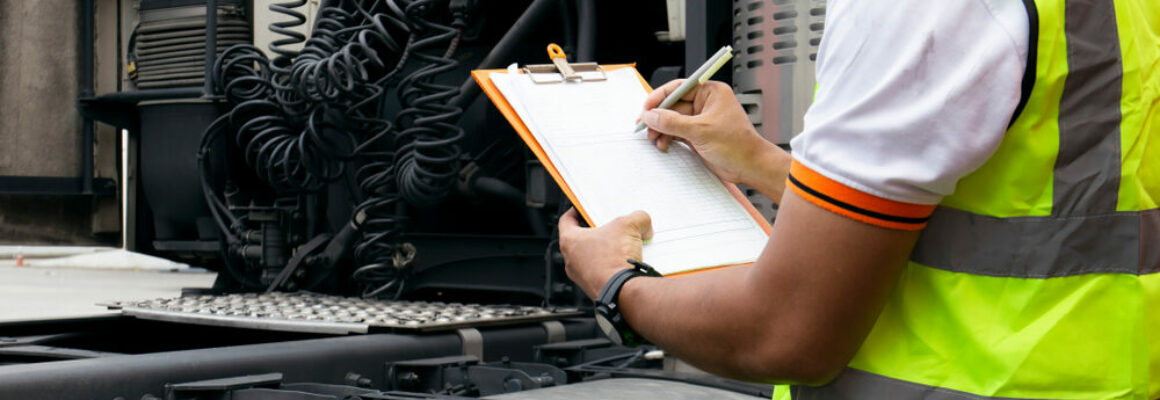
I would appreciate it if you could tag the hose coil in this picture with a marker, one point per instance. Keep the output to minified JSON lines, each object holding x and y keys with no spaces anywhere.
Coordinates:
{"x":304,"y":118}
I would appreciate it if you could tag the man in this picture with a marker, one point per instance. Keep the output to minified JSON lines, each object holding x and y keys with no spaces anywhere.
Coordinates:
{"x":972,"y":211}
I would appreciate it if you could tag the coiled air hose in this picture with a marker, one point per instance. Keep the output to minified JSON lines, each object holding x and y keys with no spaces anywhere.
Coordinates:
{"x":303,"y":117}
{"x":428,"y":163}
{"x":290,"y":36}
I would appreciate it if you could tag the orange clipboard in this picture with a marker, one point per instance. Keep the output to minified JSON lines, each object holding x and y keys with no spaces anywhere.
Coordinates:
{"x":483,"y":77}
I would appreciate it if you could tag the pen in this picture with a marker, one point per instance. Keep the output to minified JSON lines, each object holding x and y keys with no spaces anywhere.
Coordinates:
{"x":699,"y":76}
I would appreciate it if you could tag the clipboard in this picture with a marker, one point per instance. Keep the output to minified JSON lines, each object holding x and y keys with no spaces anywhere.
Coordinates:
{"x":572,"y":72}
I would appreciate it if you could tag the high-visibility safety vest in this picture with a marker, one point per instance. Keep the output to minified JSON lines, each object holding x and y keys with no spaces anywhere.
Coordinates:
{"x":1039,"y":278}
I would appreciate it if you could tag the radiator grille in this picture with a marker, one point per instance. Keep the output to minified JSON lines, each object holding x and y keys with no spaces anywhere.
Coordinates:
{"x":307,"y":312}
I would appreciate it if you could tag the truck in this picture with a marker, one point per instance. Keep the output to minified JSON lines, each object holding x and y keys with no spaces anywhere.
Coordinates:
{"x":378,"y":229}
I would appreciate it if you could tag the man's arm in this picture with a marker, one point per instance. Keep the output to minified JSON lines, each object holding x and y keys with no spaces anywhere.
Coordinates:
{"x":797,"y":315}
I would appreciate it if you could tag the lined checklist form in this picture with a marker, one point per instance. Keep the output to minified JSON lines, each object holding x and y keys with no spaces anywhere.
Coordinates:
{"x":586,"y":130}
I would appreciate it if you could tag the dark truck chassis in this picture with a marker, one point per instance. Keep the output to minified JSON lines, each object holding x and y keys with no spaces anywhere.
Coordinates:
{"x":117,"y":357}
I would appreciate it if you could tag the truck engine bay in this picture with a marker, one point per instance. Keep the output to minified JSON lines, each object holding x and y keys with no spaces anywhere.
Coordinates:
{"x":377,"y":228}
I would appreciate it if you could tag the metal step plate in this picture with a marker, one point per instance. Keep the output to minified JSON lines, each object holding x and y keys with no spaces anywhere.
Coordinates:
{"x":316,"y":313}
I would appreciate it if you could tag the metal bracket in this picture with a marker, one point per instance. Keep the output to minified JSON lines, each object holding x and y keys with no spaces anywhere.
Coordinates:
{"x":556,"y":331}
{"x":190,"y":390}
{"x":472,"y":342}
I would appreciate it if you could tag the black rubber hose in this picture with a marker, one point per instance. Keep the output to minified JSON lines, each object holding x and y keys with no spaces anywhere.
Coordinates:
{"x":428,"y":152}
{"x":301,"y":121}
{"x":586,"y":44}
{"x":290,"y":37}
{"x":300,"y":118}
{"x":568,"y":22}
{"x":501,"y":54}
{"x":499,"y":189}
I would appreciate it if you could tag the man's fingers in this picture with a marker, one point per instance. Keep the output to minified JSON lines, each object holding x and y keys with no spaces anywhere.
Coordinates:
{"x":659,"y":94}
{"x":670,"y":122}
{"x":660,"y":140}
{"x":663,"y":142}
{"x":684,"y":107}
{"x":640,"y":222}
{"x":569,"y":222}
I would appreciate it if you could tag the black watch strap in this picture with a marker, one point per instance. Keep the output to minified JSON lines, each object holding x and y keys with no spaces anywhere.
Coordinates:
{"x":611,"y":290}
{"x":607,"y":302}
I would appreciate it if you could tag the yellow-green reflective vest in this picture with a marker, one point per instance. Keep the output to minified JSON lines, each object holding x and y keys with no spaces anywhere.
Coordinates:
{"x":1040,"y":276}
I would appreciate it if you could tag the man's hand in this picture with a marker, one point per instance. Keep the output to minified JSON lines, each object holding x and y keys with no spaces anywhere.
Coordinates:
{"x":593,"y":255}
{"x":712,"y":121}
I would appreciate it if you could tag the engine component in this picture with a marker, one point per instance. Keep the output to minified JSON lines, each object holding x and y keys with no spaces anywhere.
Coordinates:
{"x":302,"y":119}
{"x":464,"y":376}
{"x":428,"y":162}
{"x":168,"y":48}
{"x":307,"y":312}
{"x":773,"y":74}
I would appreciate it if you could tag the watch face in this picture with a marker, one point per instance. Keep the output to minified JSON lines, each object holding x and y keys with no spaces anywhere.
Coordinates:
{"x":608,"y":329}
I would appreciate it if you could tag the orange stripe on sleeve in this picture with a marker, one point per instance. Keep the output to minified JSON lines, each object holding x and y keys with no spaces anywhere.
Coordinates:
{"x":855,"y":204}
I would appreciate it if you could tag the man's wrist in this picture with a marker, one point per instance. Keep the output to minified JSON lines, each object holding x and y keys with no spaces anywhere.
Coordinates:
{"x":770,"y":169}
{"x":630,"y":300}
{"x":600,"y":279}
{"x":609,"y":316}
{"x":629,"y":292}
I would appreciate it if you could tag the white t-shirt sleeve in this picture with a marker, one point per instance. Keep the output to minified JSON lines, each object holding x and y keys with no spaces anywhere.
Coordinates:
{"x":913,"y":94}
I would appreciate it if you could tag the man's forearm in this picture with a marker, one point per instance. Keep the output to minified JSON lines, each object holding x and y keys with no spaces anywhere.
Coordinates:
{"x":721,"y":322}
{"x":798,"y":314}
{"x":713,"y":300}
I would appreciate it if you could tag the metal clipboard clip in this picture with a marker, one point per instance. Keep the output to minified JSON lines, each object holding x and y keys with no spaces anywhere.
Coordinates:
{"x":560,"y":70}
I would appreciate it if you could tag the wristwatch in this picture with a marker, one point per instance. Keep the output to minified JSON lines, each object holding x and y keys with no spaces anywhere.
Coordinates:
{"x":608,"y":316}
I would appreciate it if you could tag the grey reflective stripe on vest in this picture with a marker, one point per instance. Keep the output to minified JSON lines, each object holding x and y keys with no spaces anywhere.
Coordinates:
{"x":1041,"y":247}
{"x":1087,"y":170}
{"x":857,"y":384}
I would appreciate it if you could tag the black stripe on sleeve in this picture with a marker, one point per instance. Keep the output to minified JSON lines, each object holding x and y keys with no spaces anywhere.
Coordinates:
{"x":856,"y":209}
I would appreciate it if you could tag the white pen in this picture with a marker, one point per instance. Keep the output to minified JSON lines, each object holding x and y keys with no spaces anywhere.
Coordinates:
{"x":698,"y":77}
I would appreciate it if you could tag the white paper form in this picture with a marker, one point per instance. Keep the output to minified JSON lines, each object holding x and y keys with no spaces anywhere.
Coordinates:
{"x":585,"y":128}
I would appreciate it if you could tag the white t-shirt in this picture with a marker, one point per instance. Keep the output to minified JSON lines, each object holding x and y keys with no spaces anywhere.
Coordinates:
{"x":912,"y":95}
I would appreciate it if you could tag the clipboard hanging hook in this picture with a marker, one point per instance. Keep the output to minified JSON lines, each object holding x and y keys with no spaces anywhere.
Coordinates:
{"x":561,"y":61}
{"x":555,"y":51}
{"x":562,"y":71}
